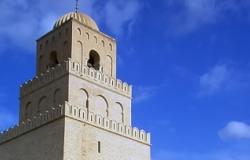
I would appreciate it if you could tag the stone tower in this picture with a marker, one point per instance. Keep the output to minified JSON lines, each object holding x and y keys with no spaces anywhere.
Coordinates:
{"x":75,"y":108}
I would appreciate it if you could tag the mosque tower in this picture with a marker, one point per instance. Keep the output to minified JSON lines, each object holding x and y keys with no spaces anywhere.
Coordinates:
{"x":75,"y":108}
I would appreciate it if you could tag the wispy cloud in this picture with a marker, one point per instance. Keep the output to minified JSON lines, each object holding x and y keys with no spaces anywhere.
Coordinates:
{"x":120,"y":15}
{"x":223,"y":77}
{"x":214,"y":80}
{"x":22,"y":21}
{"x":143,"y":93}
{"x":229,"y":151}
{"x":193,"y":14}
{"x":235,"y":130}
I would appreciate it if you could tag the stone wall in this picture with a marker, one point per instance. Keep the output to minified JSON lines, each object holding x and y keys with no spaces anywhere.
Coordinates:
{"x":43,"y":143}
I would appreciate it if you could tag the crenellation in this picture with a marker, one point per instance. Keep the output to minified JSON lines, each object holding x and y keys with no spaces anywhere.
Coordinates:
{"x":107,"y":124}
{"x":30,"y":124}
{"x":79,"y":70}
{"x":86,"y":72}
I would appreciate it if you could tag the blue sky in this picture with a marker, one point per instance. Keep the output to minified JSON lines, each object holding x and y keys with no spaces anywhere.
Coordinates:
{"x":188,"y":60}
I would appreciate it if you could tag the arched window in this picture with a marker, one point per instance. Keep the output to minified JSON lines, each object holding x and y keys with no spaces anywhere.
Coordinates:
{"x":53,"y":59}
{"x":94,"y":60}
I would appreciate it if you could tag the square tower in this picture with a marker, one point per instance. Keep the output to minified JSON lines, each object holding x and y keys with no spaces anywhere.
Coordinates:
{"x":75,"y":108}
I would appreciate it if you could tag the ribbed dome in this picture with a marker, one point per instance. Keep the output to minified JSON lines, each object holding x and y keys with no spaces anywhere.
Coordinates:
{"x":82,"y":18}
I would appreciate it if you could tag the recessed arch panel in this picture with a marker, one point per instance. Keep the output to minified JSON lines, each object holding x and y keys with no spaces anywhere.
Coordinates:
{"x":28,"y":110}
{"x":116,"y":112}
{"x":42,"y":104}
{"x":82,"y":98}
{"x":109,"y":65}
{"x":101,"y":106}
{"x":57,"y":99}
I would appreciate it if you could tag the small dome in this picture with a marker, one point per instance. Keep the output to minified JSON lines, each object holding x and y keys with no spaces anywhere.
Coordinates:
{"x":80,"y":17}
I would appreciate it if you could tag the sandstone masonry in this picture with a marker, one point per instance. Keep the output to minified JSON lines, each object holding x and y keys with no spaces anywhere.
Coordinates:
{"x":75,"y":108}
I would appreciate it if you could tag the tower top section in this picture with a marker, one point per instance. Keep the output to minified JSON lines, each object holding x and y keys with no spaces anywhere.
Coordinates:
{"x":80,"y":17}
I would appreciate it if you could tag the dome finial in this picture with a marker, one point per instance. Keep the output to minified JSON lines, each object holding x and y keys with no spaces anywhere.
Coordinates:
{"x":77,"y":6}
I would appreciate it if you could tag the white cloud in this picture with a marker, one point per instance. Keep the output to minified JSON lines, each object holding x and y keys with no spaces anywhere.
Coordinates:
{"x":235,"y":130}
{"x":193,"y":14}
{"x":22,"y":21}
{"x":224,"y":77}
{"x":120,"y":14}
{"x":214,"y":80}
{"x":143,"y":93}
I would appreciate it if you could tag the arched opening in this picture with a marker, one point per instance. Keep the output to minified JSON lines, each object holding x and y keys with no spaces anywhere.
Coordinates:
{"x":53,"y":59}
{"x":94,"y":60}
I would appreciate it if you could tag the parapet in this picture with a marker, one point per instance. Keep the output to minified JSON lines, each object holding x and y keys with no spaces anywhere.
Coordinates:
{"x":80,"y":115}
{"x":80,"y":71}
{"x":107,"y":124}
{"x":30,"y":124}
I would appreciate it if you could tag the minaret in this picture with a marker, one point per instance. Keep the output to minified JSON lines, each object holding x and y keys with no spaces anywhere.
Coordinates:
{"x":75,"y":108}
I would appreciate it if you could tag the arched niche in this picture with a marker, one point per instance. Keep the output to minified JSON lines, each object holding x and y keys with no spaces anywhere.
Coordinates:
{"x":82,"y":98}
{"x":57,"y":98}
{"x":79,"y":31}
{"x":65,"y":47}
{"x":116,"y":112}
{"x":78,"y":54}
{"x":94,"y":60}
{"x":110,"y":47}
{"x":28,"y":110}
{"x":109,"y":65}
{"x":42,"y":104}
{"x":101,"y":106}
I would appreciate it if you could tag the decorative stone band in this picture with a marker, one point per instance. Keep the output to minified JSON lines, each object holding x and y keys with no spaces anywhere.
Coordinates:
{"x":81,"y":71}
{"x":77,"y":114}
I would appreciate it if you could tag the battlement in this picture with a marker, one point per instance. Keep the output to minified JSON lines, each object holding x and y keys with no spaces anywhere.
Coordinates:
{"x":107,"y":124}
{"x":77,"y":114}
{"x":80,"y":71}
{"x":30,"y":124}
